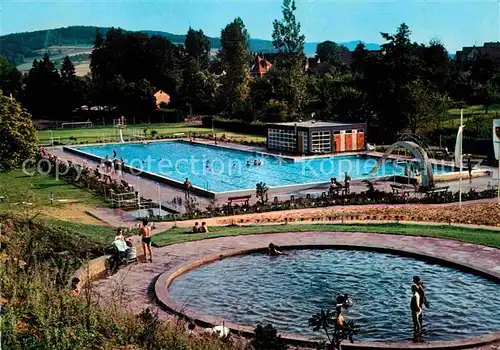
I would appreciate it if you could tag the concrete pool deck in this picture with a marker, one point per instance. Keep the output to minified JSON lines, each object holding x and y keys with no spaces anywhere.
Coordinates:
{"x":138,"y":286}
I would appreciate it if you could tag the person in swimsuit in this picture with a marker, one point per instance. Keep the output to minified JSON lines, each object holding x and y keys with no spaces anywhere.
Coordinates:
{"x":422,"y":297}
{"x":416,"y":310}
{"x":146,"y":240}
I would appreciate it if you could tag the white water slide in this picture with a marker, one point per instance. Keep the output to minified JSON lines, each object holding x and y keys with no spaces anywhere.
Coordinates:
{"x":419,"y":153}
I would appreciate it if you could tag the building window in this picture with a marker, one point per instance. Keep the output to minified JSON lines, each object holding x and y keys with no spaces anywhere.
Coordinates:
{"x":305,"y":141}
{"x":321,"y":142}
{"x":282,"y":139}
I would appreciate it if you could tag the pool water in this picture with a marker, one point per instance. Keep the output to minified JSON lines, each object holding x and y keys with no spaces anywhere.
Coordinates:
{"x":287,"y":290}
{"x":219,"y":169}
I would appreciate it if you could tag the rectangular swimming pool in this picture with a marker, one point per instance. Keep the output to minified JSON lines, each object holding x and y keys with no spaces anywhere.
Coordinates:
{"x":221,"y":169}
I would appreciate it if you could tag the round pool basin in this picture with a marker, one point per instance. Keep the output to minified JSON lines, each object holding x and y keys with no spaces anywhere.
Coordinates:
{"x":287,"y":290}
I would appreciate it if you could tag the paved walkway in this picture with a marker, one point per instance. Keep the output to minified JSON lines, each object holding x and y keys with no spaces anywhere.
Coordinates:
{"x":132,"y":287}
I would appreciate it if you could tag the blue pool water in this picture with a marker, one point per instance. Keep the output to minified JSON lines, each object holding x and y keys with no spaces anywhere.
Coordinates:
{"x":287,"y":290}
{"x":226,"y":169}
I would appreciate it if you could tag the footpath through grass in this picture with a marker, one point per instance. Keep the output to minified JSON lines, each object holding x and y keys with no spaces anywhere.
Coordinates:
{"x":96,"y":133}
{"x":477,"y":236}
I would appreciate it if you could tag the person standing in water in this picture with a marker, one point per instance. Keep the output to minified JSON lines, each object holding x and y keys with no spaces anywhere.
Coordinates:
{"x":416,"y":310}
{"x":145,"y":233}
{"x":417,"y":282}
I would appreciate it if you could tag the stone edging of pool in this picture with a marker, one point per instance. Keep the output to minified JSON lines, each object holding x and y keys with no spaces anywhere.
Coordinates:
{"x":166,"y":278}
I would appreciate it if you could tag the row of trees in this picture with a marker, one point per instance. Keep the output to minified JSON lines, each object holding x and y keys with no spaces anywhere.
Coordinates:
{"x":404,"y":86}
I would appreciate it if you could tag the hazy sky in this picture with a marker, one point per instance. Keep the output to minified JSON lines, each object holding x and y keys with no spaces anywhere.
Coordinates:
{"x":455,"y":23}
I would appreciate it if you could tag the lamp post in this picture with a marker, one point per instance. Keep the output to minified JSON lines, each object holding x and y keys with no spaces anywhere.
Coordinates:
{"x":461,"y":159}
{"x":159,"y":198}
{"x":51,"y":138}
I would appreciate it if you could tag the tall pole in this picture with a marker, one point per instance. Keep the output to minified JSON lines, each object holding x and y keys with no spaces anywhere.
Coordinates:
{"x":498,"y":182}
{"x":159,"y":199}
{"x":461,"y":159}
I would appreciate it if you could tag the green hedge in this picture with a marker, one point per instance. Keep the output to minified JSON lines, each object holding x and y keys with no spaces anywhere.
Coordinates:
{"x":235,"y":125}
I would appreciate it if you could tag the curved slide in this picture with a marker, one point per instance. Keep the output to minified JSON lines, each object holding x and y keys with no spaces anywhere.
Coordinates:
{"x":421,"y":156}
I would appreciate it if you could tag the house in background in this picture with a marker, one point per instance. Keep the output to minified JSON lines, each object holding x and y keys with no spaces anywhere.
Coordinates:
{"x":161,"y":97}
{"x":260,"y":67}
{"x":469,"y":54}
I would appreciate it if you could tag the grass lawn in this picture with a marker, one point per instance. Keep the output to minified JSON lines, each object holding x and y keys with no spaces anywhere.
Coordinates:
{"x":69,"y":201}
{"x":95,"y":233}
{"x":478,"y":236}
{"x":97,"y":133}
{"x":477,"y":110}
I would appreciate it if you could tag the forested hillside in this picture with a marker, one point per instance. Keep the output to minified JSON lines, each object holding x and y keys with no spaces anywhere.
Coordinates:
{"x":21,"y":47}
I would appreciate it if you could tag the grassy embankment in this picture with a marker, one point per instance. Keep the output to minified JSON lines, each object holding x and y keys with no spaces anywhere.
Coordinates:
{"x":108,"y":132}
{"x":40,"y":252}
{"x":27,"y":196}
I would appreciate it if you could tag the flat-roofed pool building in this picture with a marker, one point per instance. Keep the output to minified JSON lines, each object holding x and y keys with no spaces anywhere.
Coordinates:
{"x":312,"y":137}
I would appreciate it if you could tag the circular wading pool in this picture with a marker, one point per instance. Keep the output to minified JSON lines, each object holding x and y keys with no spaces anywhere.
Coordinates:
{"x":287,"y":290}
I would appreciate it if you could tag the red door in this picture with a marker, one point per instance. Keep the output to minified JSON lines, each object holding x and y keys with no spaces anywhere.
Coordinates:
{"x":337,"y":143}
{"x":361,"y":140}
{"x":348,"y":142}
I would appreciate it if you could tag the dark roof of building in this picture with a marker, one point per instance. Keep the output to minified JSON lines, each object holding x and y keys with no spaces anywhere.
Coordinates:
{"x":469,"y":53}
{"x":311,"y":123}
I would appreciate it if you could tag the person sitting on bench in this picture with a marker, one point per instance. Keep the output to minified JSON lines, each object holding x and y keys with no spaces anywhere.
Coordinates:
{"x":334,"y":186}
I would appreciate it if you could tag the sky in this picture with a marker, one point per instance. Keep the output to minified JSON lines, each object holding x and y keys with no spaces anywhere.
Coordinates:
{"x":455,"y":23}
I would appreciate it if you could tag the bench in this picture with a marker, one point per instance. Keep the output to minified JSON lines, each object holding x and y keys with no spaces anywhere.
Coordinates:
{"x":335,"y":190}
{"x":438,"y":190}
{"x":244,"y":199}
{"x":405,"y":189}
{"x":179,"y":134}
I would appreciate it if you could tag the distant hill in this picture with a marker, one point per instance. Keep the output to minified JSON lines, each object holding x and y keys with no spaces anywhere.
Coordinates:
{"x":24,"y":47}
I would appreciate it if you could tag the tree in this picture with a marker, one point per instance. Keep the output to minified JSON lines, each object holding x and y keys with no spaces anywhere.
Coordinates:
{"x":330,"y":52}
{"x":261,"y":192}
{"x":197,"y":46}
{"x":488,"y":94}
{"x":43,"y":89}
{"x":359,"y":56}
{"x":289,"y":77}
{"x":17,"y":132}
{"x":67,"y":71}
{"x":134,"y":57}
{"x":326,"y":320}
{"x":233,"y":55}
{"x":267,"y":338}
{"x":137,"y":99}
{"x":72,"y":93}
{"x":435,"y":65}
{"x":287,"y":39}
{"x":421,"y":105}
{"x":198,"y":89}
{"x":10,"y":78}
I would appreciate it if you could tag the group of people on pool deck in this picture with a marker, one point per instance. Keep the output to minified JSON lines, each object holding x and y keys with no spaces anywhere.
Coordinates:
{"x":335,"y":186}
{"x":125,"y":247}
